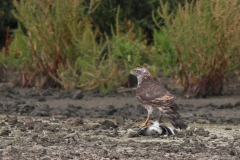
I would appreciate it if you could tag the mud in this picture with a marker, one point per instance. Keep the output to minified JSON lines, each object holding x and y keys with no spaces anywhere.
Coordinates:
{"x":51,"y":124}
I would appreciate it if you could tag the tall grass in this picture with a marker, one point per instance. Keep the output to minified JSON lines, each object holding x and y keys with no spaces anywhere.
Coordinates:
{"x":206,"y":43}
{"x":46,"y":43}
{"x":104,"y":65}
{"x":58,"y":45}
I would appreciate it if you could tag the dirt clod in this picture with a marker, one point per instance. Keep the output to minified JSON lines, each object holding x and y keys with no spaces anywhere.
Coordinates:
{"x":119,"y":120}
{"x":78,"y":95}
{"x":108,"y":124}
{"x":4,"y":131}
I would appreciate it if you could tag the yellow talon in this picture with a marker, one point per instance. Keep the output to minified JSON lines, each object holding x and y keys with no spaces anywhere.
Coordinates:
{"x":146,"y":122}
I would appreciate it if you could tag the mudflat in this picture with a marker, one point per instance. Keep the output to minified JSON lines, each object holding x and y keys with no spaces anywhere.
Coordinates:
{"x":52,"y":124}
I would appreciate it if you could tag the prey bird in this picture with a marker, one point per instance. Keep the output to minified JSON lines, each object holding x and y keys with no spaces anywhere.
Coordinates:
{"x":155,"y":129}
{"x":152,"y":94}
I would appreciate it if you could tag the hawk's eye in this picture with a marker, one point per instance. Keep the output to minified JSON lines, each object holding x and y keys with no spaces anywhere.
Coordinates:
{"x":136,"y":71}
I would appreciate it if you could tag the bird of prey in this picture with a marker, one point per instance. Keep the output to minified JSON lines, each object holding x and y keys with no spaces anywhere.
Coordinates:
{"x":155,"y":129}
{"x":152,"y":94}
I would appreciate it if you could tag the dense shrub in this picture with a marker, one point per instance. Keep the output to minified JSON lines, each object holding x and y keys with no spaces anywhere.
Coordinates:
{"x":47,"y":41}
{"x":204,"y":39}
{"x":62,"y":47}
{"x":94,"y":44}
{"x":105,"y":65}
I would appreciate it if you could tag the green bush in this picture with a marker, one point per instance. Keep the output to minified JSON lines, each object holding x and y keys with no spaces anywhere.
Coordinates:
{"x":165,"y":56}
{"x":57,"y":44}
{"x":47,"y":41}
{"x":206,"y":43}
{"x":105,"y":65}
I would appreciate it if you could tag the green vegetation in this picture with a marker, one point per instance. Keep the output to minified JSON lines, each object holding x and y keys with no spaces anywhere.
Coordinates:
{"x":61,"y":48}
{"x":204,"y":41}
{"x":104,"y":65}
{"x":81,"y":44}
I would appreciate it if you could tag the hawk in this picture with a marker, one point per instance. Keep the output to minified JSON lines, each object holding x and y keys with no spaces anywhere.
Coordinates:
{"x":152,"y":94}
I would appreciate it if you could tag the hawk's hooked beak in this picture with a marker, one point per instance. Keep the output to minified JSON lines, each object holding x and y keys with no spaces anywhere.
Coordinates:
{"x":132,"y":72}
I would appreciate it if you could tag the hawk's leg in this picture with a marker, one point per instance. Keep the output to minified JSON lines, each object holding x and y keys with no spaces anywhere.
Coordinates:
{"x":146,"y":122}
{"x":160,"y":115}
{"x":150,"y":110}
{"x":160,"y":119}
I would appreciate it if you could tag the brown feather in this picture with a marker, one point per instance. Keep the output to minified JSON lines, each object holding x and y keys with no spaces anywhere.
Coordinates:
{"x":150,"y":92}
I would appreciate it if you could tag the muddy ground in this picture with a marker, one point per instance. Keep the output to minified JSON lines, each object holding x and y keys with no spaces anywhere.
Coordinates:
{"x":51,"y":124}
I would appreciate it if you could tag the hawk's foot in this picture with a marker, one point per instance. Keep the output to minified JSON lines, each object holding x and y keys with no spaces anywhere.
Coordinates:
{"x":144,"y":124}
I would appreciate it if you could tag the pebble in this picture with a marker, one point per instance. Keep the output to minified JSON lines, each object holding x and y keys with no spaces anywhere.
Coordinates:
{"x":71,"y":135}
{"x":77,"y":122}
{"x":131,"y":133}
{"x":108,"y":124}
{"x":12,"y":120}
{"x":228,"y":128}
{"x":78,"y":95}
{"x":4,"y":131}
{"x":213,"y":136}
{"x":119,"y":120}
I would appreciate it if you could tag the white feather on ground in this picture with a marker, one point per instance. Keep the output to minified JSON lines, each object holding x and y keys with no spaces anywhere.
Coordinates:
{"x":155,"y":128}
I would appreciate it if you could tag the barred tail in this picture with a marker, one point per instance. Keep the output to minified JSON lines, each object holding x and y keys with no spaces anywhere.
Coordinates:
{"x":176,"y":121}
{"x":171,"y":113}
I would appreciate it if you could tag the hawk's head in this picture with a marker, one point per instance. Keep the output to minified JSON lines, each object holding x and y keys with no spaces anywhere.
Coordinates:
{"x":140,"y":73}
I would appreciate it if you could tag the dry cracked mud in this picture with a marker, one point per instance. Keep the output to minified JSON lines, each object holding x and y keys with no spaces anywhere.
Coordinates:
{"x":51,"y":124}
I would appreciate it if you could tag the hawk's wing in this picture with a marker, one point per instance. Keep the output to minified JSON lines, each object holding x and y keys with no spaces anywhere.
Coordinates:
{"x":154,"y":94}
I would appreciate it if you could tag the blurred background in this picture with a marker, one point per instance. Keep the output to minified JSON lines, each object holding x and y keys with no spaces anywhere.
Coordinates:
{"x":94,"y":44}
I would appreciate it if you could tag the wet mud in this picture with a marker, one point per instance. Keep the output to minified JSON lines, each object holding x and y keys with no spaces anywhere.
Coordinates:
{"x":52,"y":124}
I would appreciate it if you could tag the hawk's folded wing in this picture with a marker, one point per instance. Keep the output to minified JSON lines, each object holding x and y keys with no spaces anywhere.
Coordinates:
{"x":156,"y":95}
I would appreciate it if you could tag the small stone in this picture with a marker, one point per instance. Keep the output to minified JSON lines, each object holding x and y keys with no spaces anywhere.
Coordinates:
{"x":194,"y":138}
{"x":4,"y":132}
{"x":29,"y":125}
{"x":2,"y":124}
{"x":237,"y":104}
{"x":114,"y":155}
{"x":41,"y":99}
{"x":119,"y":120}
{"x":228,"y":128}
{"x":108,"y":124}
{"x":201,"y":121}
{"x":130,"y":151}
{"x":232,"y":153}
{"x":77,"y":122}
{"x":71,"y":135}
{"x":32,"y":93}
{"x":47,"y":92}
{"x":132,"y":134}
{"x":78,"y":95}
{"x":60,"y":117}
{"x":26,"y":109}
{"x":213,"y":136}
{"x":11,"y":120}
{"x":225,"y":139}
{"x":40,"y":150}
